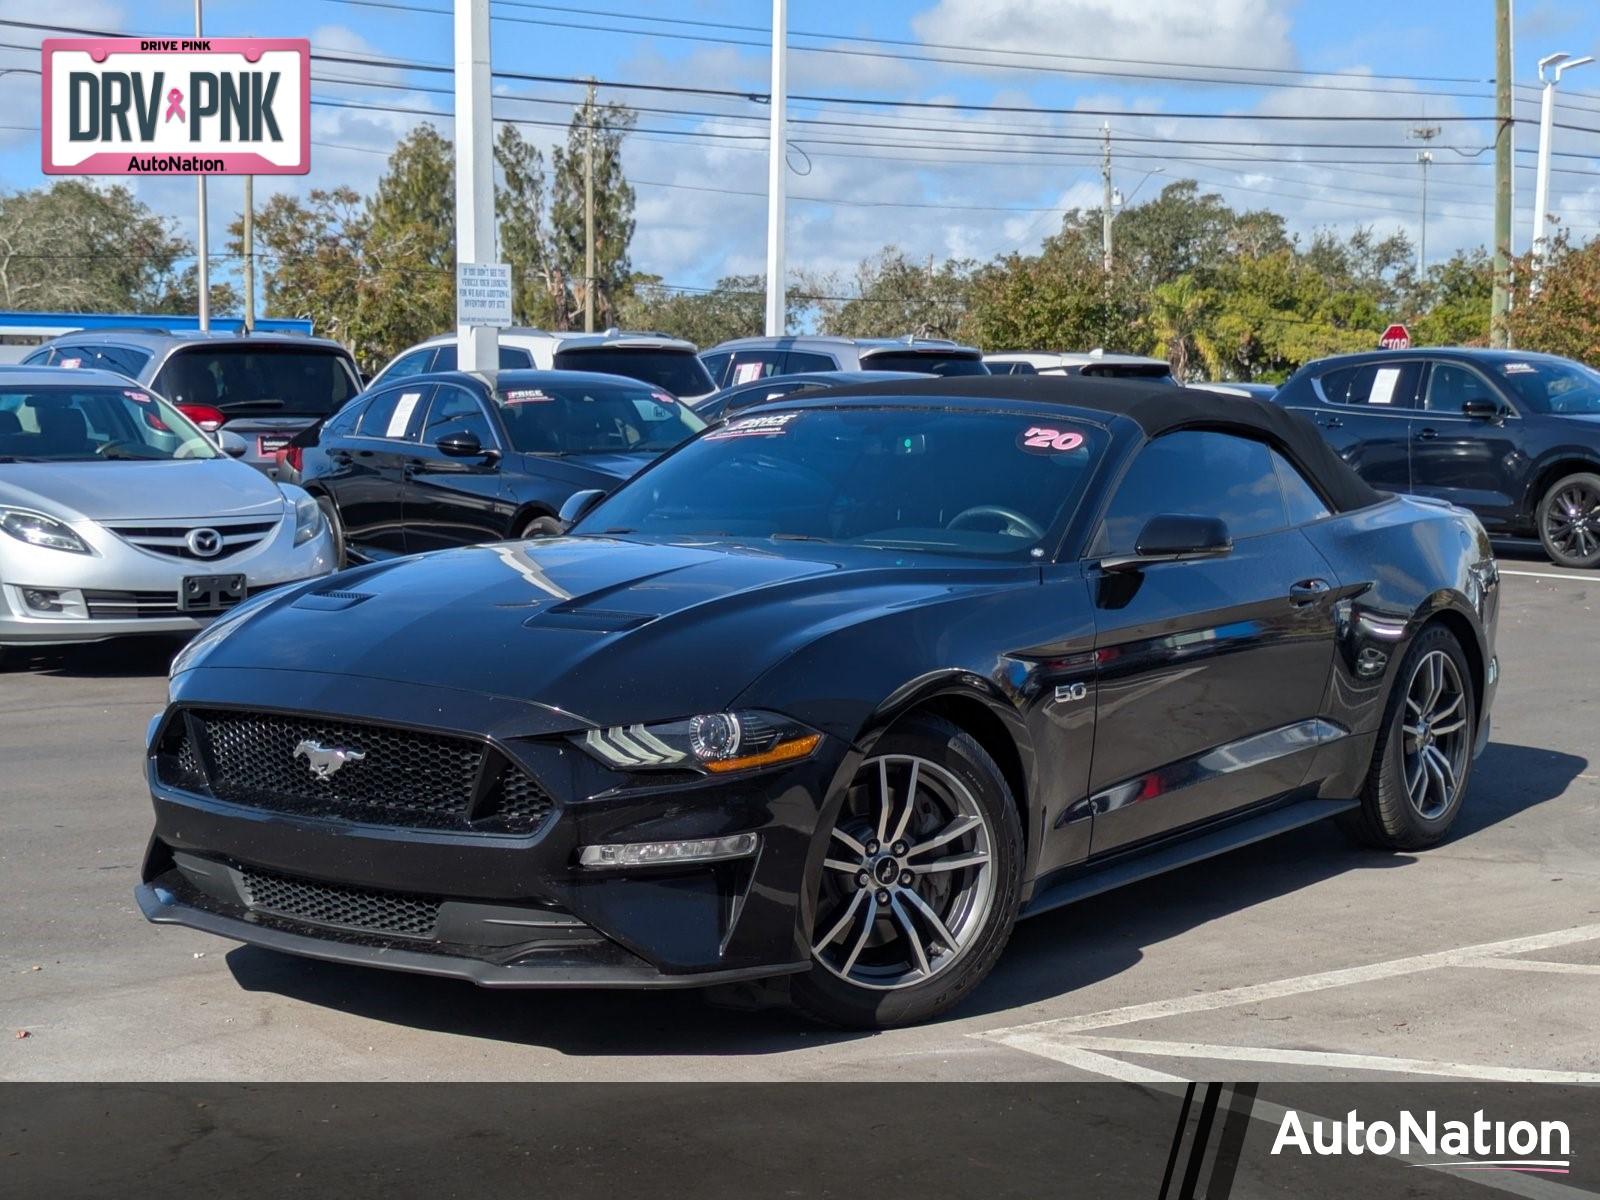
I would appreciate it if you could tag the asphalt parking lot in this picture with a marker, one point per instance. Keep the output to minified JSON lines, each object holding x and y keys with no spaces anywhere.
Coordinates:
{"x":1296,"y":959}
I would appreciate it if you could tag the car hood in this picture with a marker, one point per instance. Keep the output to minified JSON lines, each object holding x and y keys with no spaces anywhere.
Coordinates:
{"x":605,"y":468}
{"x":130,"y":491}
{"x":607,"y":630}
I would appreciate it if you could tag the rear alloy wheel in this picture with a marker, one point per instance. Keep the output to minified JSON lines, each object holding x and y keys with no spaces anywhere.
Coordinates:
{"x":1423,"y":757}
{"x":918,"y":889}
{"x":1569,"y":521}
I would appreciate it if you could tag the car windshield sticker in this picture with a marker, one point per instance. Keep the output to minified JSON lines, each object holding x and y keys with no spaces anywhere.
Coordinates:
{"x":1046,"y":439}
{"x":663,"y":398}
{"x":769,"y":426}
{"x":747,"y":372}
{"x":528,"y":396}
{"x":138,"y":397}
{"x":70,"y":362}
{"x":1383,"y":385}
{"x":1520,"y":369}
{"x":402,"y":415}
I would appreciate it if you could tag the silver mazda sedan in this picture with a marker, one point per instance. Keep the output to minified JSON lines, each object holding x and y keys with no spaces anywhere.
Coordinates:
{"x":119,"y":516}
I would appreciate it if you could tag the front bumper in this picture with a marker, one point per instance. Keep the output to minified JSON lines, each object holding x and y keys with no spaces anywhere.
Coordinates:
{"x":136,"y":591}
{"x":504,"y":910}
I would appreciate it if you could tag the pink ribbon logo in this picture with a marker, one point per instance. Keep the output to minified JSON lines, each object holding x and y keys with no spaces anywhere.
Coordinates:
{"x":175,"y":105}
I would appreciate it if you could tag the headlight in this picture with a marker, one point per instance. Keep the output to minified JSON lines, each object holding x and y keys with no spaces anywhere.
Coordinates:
{"x":307,"y":514}
{"x":715,"y":742}
{"x":39,"y":530}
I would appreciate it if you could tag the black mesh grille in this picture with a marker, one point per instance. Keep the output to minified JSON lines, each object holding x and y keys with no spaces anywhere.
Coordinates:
{"x":345,"y":907}
{"x":372,"y":774}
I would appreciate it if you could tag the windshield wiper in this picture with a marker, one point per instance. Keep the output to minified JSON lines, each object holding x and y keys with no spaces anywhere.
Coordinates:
{"x":797,"y":537}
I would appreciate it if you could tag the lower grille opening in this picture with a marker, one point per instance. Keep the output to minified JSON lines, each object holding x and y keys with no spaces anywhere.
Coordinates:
{"x":394,"y":913}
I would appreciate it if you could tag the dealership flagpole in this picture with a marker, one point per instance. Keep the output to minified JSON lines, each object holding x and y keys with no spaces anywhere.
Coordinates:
{"x":477,"y":346}
{"x":202,"y":241}
{"x":776,"y":169}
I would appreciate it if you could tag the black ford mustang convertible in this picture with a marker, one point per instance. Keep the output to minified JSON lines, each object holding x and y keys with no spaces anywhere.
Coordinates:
{"x":825,"y":699}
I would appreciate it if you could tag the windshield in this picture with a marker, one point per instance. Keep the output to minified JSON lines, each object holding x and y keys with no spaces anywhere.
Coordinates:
{"x":922,"y":362}
{"x":985,"y":484}
{"x":677,"y":371}
{"x":1548,"y":386}
{"x":594,"y":418}
{"x":259,"y":380}
{"x":82,"y":424}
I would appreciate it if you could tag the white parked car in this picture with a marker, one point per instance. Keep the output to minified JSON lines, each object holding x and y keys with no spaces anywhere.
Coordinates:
{"x":1092,"y":362}
{"x":119,"y":516}
{"x":668,"y":363}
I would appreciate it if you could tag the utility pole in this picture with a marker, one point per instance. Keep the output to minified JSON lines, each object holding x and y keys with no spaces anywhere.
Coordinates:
{"x":477,"y":346}
{"x":249,"y":254}
{"x":588,"y":213}
{"x":1105,"y":208}
{"x":1500,"y":302}
{"x":1541,"y":187}
{"x":777,"y":169}
{"x":202,"y":241}
{"x":1425,"y":157}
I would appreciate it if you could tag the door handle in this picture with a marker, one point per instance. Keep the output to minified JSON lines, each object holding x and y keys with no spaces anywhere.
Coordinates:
{"x":1330,"y":422}
{"x":339,"y":456}
{"x":1427,"y":434}
{"x":1308,"y":591}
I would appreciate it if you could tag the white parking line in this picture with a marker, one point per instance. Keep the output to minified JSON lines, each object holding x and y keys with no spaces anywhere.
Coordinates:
{"x":1550,"y":575}
{"x":1534,"y":964}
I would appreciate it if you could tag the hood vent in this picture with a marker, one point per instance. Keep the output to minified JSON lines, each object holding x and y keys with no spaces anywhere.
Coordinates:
{"x":330,"y":601}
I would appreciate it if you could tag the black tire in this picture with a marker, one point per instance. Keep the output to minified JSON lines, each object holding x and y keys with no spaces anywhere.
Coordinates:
{"x":541,"y":527}
{"x":950,"y":755}
{"x":330,"y":514}
{"x":1568,"y":520}
{"x":1388,"y":817}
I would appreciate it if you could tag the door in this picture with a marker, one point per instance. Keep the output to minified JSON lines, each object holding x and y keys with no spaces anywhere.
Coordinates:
{"x":1364,"y":412}
{"x":454,"y":501}
{"x":1469,"y":461}
{"x":1211,"y":674}
{"x":367,"y":467}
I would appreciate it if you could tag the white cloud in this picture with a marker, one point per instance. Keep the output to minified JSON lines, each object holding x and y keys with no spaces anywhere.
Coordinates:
{"x":1216,"y":31}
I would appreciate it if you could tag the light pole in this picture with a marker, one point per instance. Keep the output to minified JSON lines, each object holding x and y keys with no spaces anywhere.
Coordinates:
{"x":1541,"y":188}
{"x":1425,"y":158}
{"x":777,"y":167}
{"x":476,"y":345}
{"x":202,"y":241}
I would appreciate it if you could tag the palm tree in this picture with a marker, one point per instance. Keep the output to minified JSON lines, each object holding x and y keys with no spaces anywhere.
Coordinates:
{"x":1180,"y":312}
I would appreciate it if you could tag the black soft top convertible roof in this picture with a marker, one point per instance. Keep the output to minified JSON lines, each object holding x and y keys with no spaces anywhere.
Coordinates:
{"x":1157,"y":409}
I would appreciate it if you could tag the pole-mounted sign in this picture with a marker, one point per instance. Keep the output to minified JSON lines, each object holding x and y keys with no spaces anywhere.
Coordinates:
{"x":177,"y":106}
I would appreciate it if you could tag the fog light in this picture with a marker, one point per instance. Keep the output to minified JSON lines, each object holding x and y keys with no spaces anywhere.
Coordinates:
{"x":649,"y":854}
{"x":42,"y":600}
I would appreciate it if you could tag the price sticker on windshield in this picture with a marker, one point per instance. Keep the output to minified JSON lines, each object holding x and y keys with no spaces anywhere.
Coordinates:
{"x":771,"y":426}
{"x":528,"y":396}
{"x":1046,"y":439}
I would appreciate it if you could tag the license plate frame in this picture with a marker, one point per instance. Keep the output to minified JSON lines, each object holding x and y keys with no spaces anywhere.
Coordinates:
{"x":210,"y":593}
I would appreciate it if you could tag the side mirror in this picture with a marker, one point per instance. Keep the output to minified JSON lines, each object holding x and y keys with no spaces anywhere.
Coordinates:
{"x":1482,"y":409}
{"x":232,"y":444}
{"x":464,"y":444}
{"x":578,"y":504}
{"x":1174,"y":538}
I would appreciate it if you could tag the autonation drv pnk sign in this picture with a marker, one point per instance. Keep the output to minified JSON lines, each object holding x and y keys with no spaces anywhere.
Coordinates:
{"x":177,"y":106}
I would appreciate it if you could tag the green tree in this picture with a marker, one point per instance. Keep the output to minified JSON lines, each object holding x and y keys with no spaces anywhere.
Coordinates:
{"x":78,"y":247}
{"x":540,"y":295}
{"x":1557,"y":309}
{"x":1042,"y":303}
{"x":1451,"y":308}
{"x":894,"y":296}
{"x":1180,"y":322}
{"x":613,"y":211}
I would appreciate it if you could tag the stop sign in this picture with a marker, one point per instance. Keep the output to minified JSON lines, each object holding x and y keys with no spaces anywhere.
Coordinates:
{"x":1396,"y":337}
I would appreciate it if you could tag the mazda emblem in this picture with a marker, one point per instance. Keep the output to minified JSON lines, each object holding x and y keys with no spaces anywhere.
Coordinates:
{"x":204,"y":543}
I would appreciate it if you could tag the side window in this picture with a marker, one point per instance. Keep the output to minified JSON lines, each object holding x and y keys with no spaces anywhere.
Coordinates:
{"x":1300,"y":500}
{"x":716,"y":366}
{"x":804,"y":360}
{"x":456,"y":411}
{"x":394,"y":413}
{"x":124,"y":360}
{"x":37,"y":359}
{"x":344,"y":421}
{"x":1451,"y":385}
{"x":1380,"y":385}
{"x":1195,"y":473}
{"x":414,"y":363}
{"x":1012,"y":368}
{"x":514,"y":359}
{"x":751,"y":365}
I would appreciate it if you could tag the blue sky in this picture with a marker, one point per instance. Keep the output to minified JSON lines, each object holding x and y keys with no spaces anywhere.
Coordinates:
{"x":937,"y":181}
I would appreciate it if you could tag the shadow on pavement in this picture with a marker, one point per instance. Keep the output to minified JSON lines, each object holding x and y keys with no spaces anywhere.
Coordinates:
{"x":1049,"y":956}
{"x":118,"y":658}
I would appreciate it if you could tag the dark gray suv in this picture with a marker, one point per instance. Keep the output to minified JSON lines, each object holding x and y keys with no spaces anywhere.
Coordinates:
{"x":746,"y":360}
{"x":265,"y":387}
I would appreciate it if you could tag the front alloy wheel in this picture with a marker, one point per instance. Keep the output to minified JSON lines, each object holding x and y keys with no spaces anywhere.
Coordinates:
{"x":1569,"y":521}
{"x":1437,"y":740}
{"x":918,"y":887}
